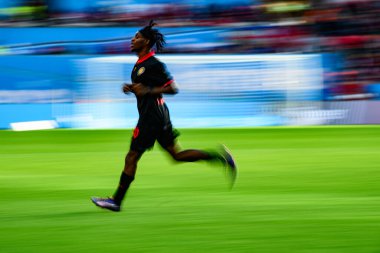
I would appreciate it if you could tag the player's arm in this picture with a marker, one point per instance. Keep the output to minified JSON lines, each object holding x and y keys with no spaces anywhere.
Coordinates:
{"x":141,"y":90}
{"x":137,"y":88}
{"x":163,"y":81}
{"x":127,"y":87}
{"x":168,"y":88}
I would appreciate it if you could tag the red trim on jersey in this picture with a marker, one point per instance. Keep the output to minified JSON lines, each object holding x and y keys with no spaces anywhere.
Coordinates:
{"x":168,"y":83}
{"x":145,"y":57}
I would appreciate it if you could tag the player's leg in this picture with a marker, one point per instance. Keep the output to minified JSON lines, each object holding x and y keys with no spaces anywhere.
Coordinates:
{"x":167,"y":140}
{"x":127,"y":176}
{"x":193,"y":155}
{"x":190,"y":155}
{"x":167,"y":136}
{"x":142,"y":140}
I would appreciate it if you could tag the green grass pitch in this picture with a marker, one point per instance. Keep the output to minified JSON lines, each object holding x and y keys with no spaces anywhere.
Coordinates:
{"x":309,"y":190}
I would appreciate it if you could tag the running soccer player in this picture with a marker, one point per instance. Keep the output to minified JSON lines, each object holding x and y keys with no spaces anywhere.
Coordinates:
{"x":151,"y":79}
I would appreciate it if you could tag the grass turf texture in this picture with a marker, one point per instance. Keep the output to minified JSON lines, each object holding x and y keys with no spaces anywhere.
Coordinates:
{"x":299,"y":190}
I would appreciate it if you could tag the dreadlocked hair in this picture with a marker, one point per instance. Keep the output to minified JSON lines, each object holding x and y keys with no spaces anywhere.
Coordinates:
{"x":154,"y":36}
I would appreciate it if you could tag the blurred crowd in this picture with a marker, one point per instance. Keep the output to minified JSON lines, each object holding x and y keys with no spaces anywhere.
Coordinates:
{"x":349,"y":28}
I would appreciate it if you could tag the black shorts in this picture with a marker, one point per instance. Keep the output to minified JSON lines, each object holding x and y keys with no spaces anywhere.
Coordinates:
{"x":144,"y":137}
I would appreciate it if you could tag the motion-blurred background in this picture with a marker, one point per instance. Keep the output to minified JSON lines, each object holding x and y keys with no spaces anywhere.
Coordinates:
{"x":238,"y":62}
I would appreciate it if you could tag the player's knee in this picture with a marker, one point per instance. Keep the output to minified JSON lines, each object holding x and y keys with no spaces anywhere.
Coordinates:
{"x":174,"y":153}
{"x":179,"y":157}
{"x":176,"y":157}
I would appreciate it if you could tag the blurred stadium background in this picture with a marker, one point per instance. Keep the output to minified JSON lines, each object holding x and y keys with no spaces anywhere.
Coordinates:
{"x":245,"y":69}
{"x":267,"y":62}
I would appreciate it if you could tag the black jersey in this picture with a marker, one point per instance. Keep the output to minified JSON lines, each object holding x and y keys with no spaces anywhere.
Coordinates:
{"x":152,"y":73}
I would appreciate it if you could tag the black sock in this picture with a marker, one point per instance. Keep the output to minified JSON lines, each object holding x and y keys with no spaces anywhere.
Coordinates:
{"x":125,"y":181}
{"x":215,"y":156}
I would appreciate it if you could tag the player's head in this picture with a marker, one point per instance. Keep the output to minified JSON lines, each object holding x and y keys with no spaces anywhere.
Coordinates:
{"x":146,"y":38}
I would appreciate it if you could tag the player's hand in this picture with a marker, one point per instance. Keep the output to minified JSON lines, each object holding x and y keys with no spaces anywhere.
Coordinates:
{"x":127,"y":87}
{"x":139,"y":89}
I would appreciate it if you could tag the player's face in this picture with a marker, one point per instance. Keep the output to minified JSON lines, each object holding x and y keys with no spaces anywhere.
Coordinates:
{"x":138,"y":42}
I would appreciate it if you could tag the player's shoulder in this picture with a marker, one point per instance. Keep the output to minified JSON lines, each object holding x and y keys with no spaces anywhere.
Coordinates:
{"x":156,"y":60}
{"x":156,"y":63}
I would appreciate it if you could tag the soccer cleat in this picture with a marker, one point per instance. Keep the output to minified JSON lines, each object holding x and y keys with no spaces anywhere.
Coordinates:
{"x":107,"y":203}
{"x":231,"y":168}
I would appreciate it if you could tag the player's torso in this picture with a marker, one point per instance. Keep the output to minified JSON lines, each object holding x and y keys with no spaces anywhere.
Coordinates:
{"x":150,"y":109}
{"x":142,"y":72}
